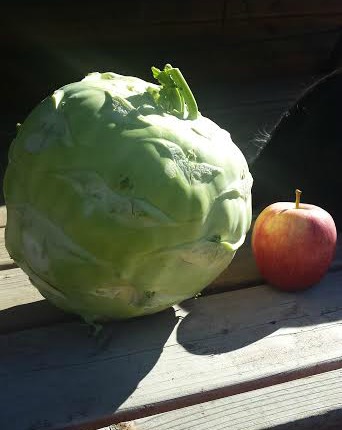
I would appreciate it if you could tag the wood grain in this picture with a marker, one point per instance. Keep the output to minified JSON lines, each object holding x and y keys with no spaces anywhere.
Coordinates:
{"x":139,"y":24}
{"x":210,"y":41}
{"x":256,"y":29}
{"x":16,"y":289}
{"x":6,"y":261}
{"x":215,"y":57}
{"x":3,"y":216}
{"x":22,"y":306}
{"x":209,"y":348}
{"x":308,"y":403}
{"x":242,"y":271}
{"x":282,"y":8}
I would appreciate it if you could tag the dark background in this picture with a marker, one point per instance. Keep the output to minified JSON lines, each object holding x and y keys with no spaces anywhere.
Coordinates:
{"x":245,"y":60}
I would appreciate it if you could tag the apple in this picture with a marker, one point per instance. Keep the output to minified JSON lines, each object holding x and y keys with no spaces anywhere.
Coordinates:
{"x":293,"y":244}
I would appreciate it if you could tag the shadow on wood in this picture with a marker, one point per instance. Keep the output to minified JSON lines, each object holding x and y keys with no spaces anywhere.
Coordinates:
{"x":92,"y":388}
{"x":232,"y":325}
{"x":331,"y":420}
{"x":29,"y":315}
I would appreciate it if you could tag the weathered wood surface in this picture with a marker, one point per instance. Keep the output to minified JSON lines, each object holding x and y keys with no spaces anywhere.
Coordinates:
{"x":22,"y":306}
{"x":3,"y":217}
{"x":309,"y":403}
{"x":242,"y":272}
{"x":137,"y":22}
{"x":5,"y":260}
{"x":209,"y":348}
{"x":283,"y":8}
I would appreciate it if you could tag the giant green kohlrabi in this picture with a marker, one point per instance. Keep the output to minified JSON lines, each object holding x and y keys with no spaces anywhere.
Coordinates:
{"x":122,"y":198}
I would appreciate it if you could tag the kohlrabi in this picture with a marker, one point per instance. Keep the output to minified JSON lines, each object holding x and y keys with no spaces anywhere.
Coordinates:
{"x":122,"y":198}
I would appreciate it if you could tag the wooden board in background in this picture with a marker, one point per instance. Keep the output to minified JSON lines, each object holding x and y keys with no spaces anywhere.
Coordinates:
{"x":210,"y":42}
{"x":166,"y":24}
{"x":282,"y":8}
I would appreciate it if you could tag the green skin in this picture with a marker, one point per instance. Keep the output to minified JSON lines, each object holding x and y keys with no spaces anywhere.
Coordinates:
{"x":122,"y":199}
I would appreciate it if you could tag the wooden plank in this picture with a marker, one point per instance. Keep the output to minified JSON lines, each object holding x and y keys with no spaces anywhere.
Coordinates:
{"x":242,"y":272}
{"x":22,"y":306}
{"x":211,"y":40}
{"x":3,"y":216}
{"x":131,"y":12}
{"x":223,"y":39}
{"x":124,"y":23}
{"x":249,"y":29}
{"x":16,"y":289}
{"x":250,"y":110}
{"x":247,"y":124}
{"x":283,"y":8}
{"x":190,"y":11}
{"x":308,"y":403}
{"x":123,"y":33}
{"x":5,"y":260}
{"x":139,"y":22}
{"x":209,"y":348}
{"x":286,"y":56}
{"x":229,"y":95}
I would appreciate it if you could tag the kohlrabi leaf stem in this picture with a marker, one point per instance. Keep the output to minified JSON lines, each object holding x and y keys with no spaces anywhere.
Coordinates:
{"x":185,"y":91}
{"x":298,"y":193}
{"x":175,"y":92}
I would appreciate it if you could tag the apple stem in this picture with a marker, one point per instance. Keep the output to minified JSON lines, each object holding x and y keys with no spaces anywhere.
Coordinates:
{"x":298,"y":193}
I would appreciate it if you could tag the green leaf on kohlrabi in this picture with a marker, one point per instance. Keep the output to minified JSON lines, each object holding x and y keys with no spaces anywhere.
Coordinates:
{"x":122,"y":198}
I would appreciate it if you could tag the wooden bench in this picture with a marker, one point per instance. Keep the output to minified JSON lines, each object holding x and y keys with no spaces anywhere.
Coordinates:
{"x":251,"y":358}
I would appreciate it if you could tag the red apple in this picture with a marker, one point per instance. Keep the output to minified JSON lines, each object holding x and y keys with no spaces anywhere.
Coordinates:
{"x":293,"y":244}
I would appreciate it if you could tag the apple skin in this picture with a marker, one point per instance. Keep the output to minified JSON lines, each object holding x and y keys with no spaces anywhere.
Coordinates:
{"x":293,"y":247}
